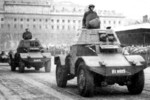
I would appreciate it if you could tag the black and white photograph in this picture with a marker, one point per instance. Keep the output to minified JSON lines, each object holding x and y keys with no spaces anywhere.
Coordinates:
{"x":74,"y":50}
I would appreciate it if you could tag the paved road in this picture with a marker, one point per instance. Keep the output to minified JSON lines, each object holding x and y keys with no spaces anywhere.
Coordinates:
{"x":38,"y":85}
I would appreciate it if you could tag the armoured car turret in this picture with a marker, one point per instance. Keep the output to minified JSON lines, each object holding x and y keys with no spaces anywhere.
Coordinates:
{"x":96,"y":59}
{"x":30,"y":54}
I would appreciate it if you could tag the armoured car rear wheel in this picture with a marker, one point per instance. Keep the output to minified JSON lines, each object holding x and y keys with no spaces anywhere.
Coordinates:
{"x":11,"y":62}
{"x":61,"y":75}
{"x":48,"y":66}
{"x":21,"y":67}
{"x":13,"y":67}
{"x":85,"y":81}
{"x":137,"y":83}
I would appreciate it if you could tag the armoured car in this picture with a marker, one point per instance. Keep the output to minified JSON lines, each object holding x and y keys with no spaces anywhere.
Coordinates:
{"x":97,"y":59}
{"x":29,"y":54}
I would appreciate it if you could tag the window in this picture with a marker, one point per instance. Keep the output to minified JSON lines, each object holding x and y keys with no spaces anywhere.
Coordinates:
{"x":68,"y":21}
{"x":8,"y":25}
{"x":63,"y":27}
{"x":114,"y":22}
{"x":2,"y":25}
{"x":15,"y":26}
{"x":68,"y":27}
{"x":79,"y":21}
{"x":58,"y":21}
{"x":109,"y":22}
{"x":104,"y":22}
{"x":34,"y":20}
{"x":74,"y":21}
{"x":46,"y":20}
{"x":52,"y":27}
{"x":15,"y":19}
{"x":21,"y":26}
{"x":63,"y":21}
{"x":52,"y":20}
{"x":40,"y":20}
{"x":2,"y":19}
{"x":28,"y":19}
{"x":119,"y":22}
{"x":58,"y":27}
{"x":34,"y":26}
{"x":21,"y":19}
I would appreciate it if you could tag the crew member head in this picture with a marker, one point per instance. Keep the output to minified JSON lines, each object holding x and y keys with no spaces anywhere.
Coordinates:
{"x":91,"y":7}
{"x":27,"y":29}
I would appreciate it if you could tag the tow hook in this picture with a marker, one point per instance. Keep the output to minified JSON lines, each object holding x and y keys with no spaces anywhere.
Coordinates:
{"x":104,"y":84}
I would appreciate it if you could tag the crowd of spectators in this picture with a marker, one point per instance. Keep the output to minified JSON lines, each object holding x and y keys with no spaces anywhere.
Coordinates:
{"x":144,"y":51}
{"x":56,"y":50}
{"x":139,"y":49}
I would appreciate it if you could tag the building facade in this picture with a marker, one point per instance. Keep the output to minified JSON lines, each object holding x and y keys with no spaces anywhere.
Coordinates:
{"x":50,"y":22}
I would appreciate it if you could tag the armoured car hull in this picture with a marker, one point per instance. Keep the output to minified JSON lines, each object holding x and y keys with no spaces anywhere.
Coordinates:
{"x":96,"y":59}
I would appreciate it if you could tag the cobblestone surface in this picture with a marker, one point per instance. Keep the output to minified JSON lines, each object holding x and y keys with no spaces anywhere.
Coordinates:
{"x":38,"y":85}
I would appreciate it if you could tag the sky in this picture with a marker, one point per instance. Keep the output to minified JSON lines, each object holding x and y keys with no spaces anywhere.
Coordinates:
{"x":135,"y":9}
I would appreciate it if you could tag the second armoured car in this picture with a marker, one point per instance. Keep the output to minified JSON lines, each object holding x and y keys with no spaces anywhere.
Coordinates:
{"x":97,"y":60}
{"x":29,"y":54}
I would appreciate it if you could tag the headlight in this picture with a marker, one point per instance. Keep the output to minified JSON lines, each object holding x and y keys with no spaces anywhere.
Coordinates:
{"x":102,"y":63}
{"x":133,"y":63}
{"x":125,"y":52}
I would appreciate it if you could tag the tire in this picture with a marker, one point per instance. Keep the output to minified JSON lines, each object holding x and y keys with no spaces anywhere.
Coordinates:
{"x":48,"y":66}
{"x":21,"y":67}
{"x":85,"y":81}
{"x":61,"y":75}
{"x":37,"y":68}
{"x":12,"y":65}
{"x":137,"y":83}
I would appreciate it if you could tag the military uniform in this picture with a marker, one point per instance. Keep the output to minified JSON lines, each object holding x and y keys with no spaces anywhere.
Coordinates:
{"x":89,"y":16}
{"x":27,"y":35}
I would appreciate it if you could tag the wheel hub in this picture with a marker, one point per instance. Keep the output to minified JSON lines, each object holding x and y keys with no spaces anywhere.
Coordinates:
{"x":82,"y":79}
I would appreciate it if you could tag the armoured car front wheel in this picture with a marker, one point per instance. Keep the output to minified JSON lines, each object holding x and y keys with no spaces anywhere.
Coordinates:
{"x":48,"y":66}
{"x":85,"y":81}
{"x":61,"y":75}
{"x":137,"y":83}
{"x":37,"y":69}
{"x":21,"y":67}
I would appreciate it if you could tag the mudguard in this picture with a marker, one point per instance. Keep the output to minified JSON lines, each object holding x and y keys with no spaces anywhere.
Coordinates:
{"x":111,"y":60}
{"x":115,"y":64}
{"x":35,"y":55}
{"x":135,"y":59}
{"x":107,"y":60}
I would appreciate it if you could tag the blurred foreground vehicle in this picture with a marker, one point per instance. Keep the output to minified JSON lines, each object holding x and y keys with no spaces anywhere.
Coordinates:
{"x":3,"y":57}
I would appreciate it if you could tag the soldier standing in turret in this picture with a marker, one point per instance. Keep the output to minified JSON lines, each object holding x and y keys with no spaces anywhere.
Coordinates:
{"x":27,"y":35}
{"x":90,"y":18}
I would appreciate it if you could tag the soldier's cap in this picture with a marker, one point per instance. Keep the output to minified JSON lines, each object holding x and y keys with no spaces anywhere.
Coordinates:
{"x":91,"y":5}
